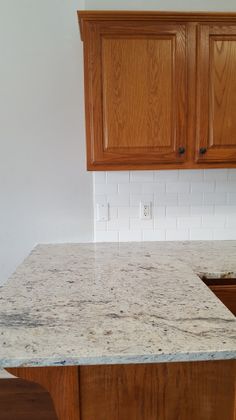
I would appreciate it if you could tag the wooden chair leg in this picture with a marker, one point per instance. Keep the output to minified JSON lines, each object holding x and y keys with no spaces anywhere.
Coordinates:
{"x":61,"y":382}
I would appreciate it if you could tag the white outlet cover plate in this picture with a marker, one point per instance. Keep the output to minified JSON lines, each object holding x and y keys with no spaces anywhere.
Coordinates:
{"x":145,"y":210}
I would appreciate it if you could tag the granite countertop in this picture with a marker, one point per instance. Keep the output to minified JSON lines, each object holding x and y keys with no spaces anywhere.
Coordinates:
{"x":76,"y":304}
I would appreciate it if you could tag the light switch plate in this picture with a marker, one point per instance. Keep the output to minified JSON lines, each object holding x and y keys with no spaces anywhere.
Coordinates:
{"x":102,"y":212}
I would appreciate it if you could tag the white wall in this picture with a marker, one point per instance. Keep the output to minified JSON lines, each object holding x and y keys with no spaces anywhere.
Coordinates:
{"x":216,"y":5}
{"x":45,"y":191}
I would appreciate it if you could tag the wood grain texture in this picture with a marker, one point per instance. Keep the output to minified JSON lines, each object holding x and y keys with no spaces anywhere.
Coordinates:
{"x":174,"y":391}
{"x":223,"y":91}
{"x":95,"y":15}
{"x":206,"y":99}
{"x":216,"y":114}
{"x":62,"y":383}
{"x":23,"y":400}
{"x":227,"y":294}
{"x":135,"y":92}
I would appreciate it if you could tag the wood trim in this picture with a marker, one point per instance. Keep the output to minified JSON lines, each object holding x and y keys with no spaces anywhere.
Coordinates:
{"x":158,"y":166}
{"x":61,"y":382}
{"x":85,"y":15}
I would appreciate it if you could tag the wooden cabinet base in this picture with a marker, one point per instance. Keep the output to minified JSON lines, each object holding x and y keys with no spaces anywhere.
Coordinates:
{"x":166,"y":391}
{"x":24,"y":400}
{"x":61,"y":383}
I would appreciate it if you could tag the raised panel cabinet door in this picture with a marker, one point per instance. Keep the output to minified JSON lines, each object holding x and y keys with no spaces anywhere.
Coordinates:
{"x":216,"y":93}
{"x":135,"y":89}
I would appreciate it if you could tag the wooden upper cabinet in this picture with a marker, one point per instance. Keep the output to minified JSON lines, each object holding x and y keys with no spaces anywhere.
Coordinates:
{"x":135,"y":81}
{"x":160,"y":89}
{"x":216,"y":93}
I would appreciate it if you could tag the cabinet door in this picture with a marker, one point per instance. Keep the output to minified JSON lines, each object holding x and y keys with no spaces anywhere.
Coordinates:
{"x":135,"y":88}
{"x":216,"y":94}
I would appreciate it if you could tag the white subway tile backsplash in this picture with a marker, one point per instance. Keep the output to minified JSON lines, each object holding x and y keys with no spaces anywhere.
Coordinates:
{"x":178,"y":211}
{"x":215,"y":198}
{"x":116,"y":177}
{"x":165,"y":222}
{"x":156,"y":235}
{"x":186,"y":204}
{"x":225,"y":209}
{"x":153,"y":187}
{"x":224,"y":234}
{"x":232,"y":174}
{"x":136,"y":224}
{"x":100,"y":199}
{"x":100,"y":226}
{"x":106,"y":189}
{"x":159,"y":211}
{"x":189,"y":221}
{"x":134,"y":188}
{"x":231,"y":221}
{"x":118,"y":224}
{"x":232,"y":198}
{"x":135,"y":199}
{"x":182,"y":187}
{"x":167,"y":199}
{"x":215,"y":174}
{"x":193,"y":175}
{"x":118,"y":199}
{"x":126,"y":212}
{"x":201,"y":210}
{"x":203,"y":186}
{"x":128,"y":236}
{"x":226,"y":186}
{"x":113,"y":213}
{"x":100,"y":178}
{"x":214,"y":221}
{"x":105,"y":236}
{"x":141,"y":176}
{"x":201,"y":234}
{"x":177,"y":234}
{"x":166,"y":176}
{"x":193,"y":199}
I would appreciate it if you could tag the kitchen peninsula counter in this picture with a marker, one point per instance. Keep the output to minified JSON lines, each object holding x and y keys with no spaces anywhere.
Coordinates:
{"x":90,"y":304}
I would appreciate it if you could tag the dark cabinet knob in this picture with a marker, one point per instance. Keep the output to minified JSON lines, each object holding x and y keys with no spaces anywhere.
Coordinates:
{"x":181,"y":150}
{"x":202,"y":151}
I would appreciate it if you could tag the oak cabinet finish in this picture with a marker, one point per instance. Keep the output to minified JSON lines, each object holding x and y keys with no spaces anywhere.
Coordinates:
{"x":160,"y":89}
{"x":165,"y":391}
{"x":216,"y":89}
{"x":139,"y":93}
{"x":227,"y":294}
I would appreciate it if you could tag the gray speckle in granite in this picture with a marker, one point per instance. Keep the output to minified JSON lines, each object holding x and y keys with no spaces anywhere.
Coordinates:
{"x":76,"y":304}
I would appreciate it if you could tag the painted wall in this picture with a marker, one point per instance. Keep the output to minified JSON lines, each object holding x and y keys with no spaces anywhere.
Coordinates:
{"x":216,"y":5}
{"x":45,"y":191}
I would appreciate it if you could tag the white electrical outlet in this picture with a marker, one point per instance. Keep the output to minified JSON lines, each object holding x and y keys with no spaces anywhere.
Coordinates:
{"x":145,"y":210}
{"x":102,"y":212}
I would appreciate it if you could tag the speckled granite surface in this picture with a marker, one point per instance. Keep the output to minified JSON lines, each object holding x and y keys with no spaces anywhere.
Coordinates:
{"x":117,"y":303}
